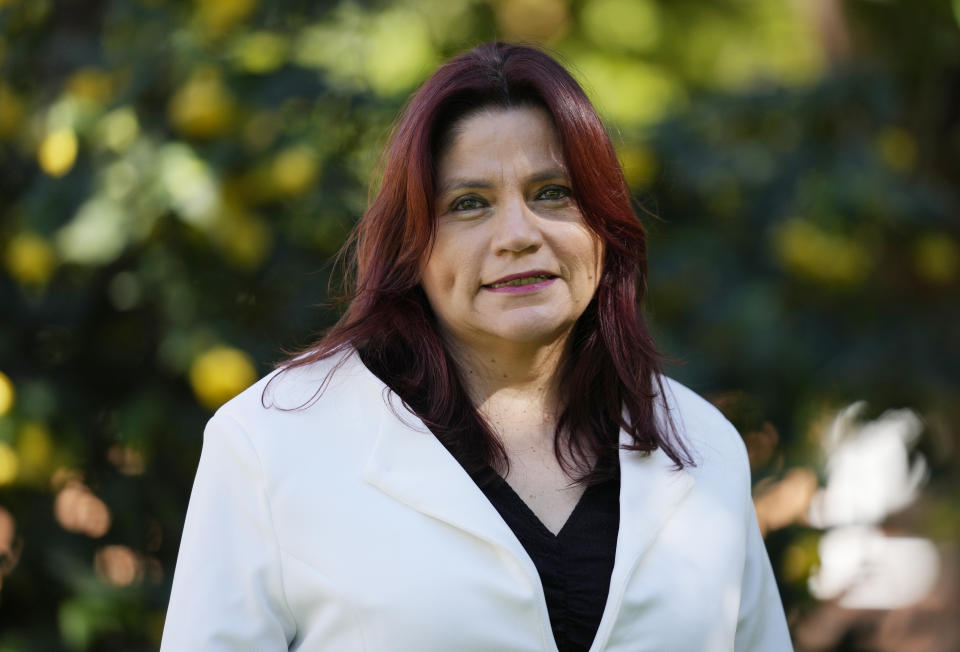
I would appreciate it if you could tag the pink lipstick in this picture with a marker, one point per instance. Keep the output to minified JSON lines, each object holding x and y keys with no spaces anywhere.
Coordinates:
{"x":522,"y":283}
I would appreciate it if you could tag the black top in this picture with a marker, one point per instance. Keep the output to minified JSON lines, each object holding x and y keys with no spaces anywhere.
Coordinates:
{"x":576,"y":563}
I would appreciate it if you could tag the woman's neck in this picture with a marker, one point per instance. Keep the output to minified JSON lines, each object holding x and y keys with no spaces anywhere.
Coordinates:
{"x":514,"y":388}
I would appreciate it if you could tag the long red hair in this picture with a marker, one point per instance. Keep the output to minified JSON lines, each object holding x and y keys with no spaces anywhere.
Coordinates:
{"x":611,"y":379}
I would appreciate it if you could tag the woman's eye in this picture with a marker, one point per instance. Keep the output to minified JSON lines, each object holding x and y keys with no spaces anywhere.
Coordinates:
{"x":468,"y":203}
{"x":554,"y":193}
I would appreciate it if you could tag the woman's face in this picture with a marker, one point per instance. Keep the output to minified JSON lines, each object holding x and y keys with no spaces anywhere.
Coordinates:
{"x":513,"y":260}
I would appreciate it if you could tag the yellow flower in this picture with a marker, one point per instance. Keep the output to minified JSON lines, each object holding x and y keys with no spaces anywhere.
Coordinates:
{"x":219,"y":374}
{"x":829,"y":258}
{"x":294,"y":170}
{"x":34,"y":446}
{"x":261,"y":52}
{"x":7,"y":394}
{"x":9,"y":465}
{"x":203,"y":107}
{"x":219,"y":16}
{"x":58,"y":152}
{"x":35,"y":452}
{"x":91,"y":84}
{"x":245,"y":240}
{"x":30,"y":259}
{"x":541,"y":21}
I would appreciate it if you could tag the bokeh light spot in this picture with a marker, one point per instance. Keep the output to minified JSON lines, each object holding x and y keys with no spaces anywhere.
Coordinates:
{"x":937,"y":258}
{"x":538,"y":21}
{"x":800,"y":558}
{"x":628,"y":25}
{"x":399,"y":51}
{"x":91,"y":85}
{"x":8,"y":394}
{"x":77,"y":509}
{"x":193,"y":191}
{"x":219,"y":16}
{"x":34,"y":448}
{"x":11,"y":112}
{"x":9,"y":464}
{"x":119,"y":129}
{"x":203,"y":107}
{"x":628,"y":91}
{"x":261,"y":52}
{"x":127,"y":460}
{"x":118,"y":565}
{"x":30,"y":259}
{"x":245,"y":239}
{"x":58,"y":152}
{"x":818,"y":255}
{"x":294,"y":170}
{"x":219,"y":374}
{"x":97,"y":234}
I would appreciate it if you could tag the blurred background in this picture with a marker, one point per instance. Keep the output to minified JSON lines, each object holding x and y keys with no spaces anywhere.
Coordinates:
{"x":175,"y":176}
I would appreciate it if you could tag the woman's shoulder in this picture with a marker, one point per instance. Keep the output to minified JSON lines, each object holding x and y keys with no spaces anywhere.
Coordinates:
{"x":318,"y":400}
{"x":709,"y":435}
{"x":300,"y":385}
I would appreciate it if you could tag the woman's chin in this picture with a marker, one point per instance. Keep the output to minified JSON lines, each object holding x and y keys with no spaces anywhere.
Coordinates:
{"x":535,"y":332}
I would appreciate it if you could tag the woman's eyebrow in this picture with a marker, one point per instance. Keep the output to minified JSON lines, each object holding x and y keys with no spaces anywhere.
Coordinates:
{"x":457,"y":184}
{"x":546,"y":175}
{"x":460,"y":184}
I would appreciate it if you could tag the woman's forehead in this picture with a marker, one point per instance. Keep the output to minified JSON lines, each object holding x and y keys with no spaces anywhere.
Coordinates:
{"x":496,"y":117}
{"x":502,"y":141}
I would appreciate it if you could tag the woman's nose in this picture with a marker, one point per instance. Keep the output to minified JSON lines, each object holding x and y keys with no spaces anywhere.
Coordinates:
{"x":515,"y":228}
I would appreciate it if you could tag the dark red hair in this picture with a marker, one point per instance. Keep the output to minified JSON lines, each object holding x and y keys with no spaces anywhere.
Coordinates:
{"x":611,"y":378}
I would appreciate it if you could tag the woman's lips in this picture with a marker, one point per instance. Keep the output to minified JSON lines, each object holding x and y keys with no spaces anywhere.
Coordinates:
{"x":521,"y":283}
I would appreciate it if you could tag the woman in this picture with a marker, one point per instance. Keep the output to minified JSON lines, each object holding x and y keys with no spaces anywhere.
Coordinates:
{"x":482,"y":454}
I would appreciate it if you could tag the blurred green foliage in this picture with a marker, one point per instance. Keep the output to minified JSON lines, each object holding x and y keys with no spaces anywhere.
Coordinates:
{"x":177,"y":174}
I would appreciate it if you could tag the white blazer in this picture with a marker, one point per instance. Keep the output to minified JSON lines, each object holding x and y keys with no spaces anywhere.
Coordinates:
{"x":346,"y":526}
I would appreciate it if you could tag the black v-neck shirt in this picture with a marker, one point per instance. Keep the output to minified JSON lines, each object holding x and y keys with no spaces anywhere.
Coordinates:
{"x":575,"y":564}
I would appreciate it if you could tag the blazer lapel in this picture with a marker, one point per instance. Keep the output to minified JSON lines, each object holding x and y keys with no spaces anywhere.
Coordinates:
{"x":651,"y":490}
{"x":410,"y":465}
